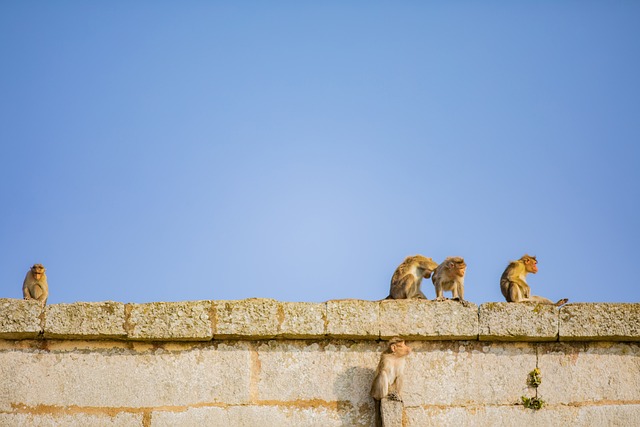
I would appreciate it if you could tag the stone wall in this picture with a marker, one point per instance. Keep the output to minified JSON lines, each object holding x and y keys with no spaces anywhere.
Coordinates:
{"x":262,"y":362}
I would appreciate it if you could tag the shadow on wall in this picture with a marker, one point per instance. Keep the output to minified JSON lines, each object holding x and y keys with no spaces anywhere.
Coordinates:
{"x":352,"y":387}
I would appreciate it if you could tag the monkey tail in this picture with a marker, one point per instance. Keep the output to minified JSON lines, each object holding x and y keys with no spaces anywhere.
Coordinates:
{"x":378,"y":415}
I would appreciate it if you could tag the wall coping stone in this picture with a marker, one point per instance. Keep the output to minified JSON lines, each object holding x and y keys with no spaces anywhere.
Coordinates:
{"x":260,"y":319}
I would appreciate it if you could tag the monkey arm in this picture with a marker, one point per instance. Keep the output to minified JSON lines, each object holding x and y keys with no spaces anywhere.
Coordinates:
{"x":380,"y":386}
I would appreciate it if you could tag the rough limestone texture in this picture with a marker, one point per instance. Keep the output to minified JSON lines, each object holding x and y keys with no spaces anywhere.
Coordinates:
{"x":189,"y":321}
{"x":302,"y":320}
{"x":253,"y":318}
{"x":307,"y":415}
{"x":257,"y":361}
{"x":508,"y":321}
{"x":422,"y":319}
{"x":353,"y":319}
{"x":391,"y":413}
{"x":71,"y":419}
{"x":19,"y":318}
{"x":85,"y":320}
{"x":600,"y":371}
{"x":594,"y":322}
{"x":518,"y":416}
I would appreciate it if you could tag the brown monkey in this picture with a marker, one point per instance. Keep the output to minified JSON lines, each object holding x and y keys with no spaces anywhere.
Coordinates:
{"x":35,"y":284}
{"x":389,"y":374}
{"x":406,"y":280}
{"x":513,"y":283}
{"x":449,"y":276}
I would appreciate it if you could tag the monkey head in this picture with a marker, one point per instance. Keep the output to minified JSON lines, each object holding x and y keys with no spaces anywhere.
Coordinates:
{"x":427,"y":265}
{"x":530,"y":263}
{"x":456,"y":266}
{"x":398,"y":347}
{"x":37,"y":270}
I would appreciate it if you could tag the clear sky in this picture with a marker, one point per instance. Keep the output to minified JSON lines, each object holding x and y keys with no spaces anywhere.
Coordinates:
{"x":170,"y":151}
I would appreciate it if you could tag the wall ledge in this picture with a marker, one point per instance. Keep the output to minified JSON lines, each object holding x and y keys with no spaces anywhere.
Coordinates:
{"x":260,"y":319}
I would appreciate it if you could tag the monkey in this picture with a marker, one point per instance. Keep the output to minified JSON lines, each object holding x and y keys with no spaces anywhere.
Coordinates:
{"x":35,"y":284}
{"x":406,"y":280}
{"x":513,"y":283}
{"x":389,"y":374}
{"x":449,"y":276}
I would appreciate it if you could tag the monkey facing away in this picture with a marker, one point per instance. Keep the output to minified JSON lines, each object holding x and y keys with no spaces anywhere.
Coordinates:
{"x":406,"y":280}
{"x":449,"y":276}
{"x":35,"y":284}
{"x":513,"y":283}
{"x":389,"y":374}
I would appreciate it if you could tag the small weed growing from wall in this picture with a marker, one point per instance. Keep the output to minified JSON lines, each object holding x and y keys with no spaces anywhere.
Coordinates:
{"x":533,"y":380}
{"x":532,"y":402}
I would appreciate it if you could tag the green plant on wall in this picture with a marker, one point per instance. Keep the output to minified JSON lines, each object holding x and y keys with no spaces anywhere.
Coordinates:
{"x":532,"y":402}
{"x":534,"y":379}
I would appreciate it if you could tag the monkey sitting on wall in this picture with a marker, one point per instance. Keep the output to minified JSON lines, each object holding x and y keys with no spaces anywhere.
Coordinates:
{"x":407,"y":278}
{"x":513,"y":283}
{"x":389,"y":374}
{"x":449,"y":276}
{"x":35,"y":284}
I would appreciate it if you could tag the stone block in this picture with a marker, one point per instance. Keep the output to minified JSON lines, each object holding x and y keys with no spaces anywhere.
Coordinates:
{"x":119,"y":377}
{"x":175,"y":321}
{"x":252,"y":319}
{"x":391,"y":413}
{"x":467,"y":373}
{"x":317,"y":371}
{"x":308,"y":414}
{"x":300,"y":320}
{"x":508,"y":321}
{"x":575,"y":374}
{"x":517,"y":416}
{"x":421,"y":319}
{"x":353,"y":319}
{"x":71,"y":419}
{"x":85,"y":320}
{"x":20,"y":319}
{"x":600,"y":322}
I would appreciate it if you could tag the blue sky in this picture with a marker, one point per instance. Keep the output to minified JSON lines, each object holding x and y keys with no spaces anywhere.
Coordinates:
{"x":169,"y":151}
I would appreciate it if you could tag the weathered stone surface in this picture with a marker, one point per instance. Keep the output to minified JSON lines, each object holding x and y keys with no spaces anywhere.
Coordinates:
{"x":353,"y":319}
{"x":517,"y":416}
{"x":19,"y":318}
{"x":422,"y":319}
{"x":460,"y":373}
{"x":170,"y":321}
{"x":312,"y":364}
{"x":70,"y":419}
{"x":600,"y":322}
{"x":85,"y":320}
{"x":391,"y":412}
{"x":118,"y":377}
{"x":302,"y":320}
{"x":598,"y":372}
{"x":308,"y":414}
{"x":327,"y":371}
{"x":254,"y":318}
{"x":505,"y":321}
